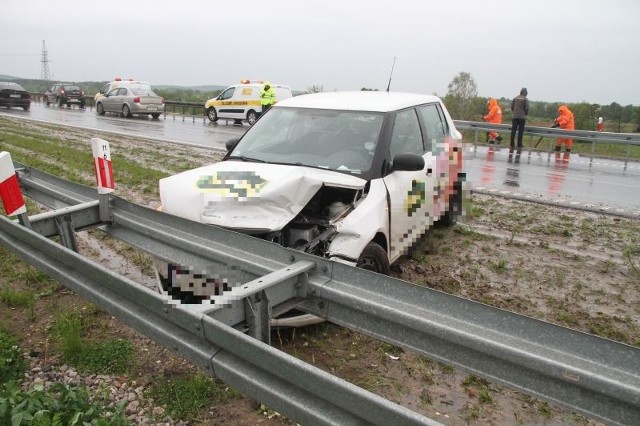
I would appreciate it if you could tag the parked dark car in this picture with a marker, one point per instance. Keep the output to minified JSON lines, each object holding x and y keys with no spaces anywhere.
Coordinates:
{"x":14,"y":95}
{"x":64,"y":94}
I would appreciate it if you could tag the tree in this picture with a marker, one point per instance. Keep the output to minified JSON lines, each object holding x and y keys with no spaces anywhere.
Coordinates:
{"x":583,"y":116}
{"x":315,"y":89}
{"x":461,"y":91}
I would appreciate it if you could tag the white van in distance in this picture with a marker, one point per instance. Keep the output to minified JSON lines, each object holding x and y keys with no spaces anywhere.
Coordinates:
{"x":242,"y":101}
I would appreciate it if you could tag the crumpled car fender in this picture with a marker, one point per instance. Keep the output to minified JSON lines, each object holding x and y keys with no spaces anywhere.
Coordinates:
{"x":369,"y":218}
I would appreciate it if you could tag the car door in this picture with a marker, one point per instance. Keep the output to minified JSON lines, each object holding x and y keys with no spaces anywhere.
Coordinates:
{"x":111,"y":101}
{"x":410,"y":193}
{"x":435,"y":129}
{"x":225,"y":107}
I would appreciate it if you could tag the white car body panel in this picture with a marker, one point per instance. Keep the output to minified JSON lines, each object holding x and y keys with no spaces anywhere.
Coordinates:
{"x":278,"y":193}
{"x":369,"y":218}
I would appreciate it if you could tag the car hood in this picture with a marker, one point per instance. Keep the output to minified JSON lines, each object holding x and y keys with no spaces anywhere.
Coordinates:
{"x":244,"y":195}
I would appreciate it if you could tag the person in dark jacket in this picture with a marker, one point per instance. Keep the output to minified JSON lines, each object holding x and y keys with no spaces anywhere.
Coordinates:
{"x":520,"y":110}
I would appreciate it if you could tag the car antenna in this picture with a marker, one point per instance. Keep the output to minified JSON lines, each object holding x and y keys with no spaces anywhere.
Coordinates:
{"x":391,"y":75}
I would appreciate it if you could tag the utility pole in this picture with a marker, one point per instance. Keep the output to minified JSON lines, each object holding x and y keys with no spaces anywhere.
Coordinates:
{"x":46,"y":73}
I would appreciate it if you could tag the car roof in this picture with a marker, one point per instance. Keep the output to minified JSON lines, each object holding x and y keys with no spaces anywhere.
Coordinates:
{"x":128,"y":82}
{"x":359,"y":101}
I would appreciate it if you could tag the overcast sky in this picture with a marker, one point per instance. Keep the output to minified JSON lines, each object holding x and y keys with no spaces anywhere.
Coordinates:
{"x":564,"y":51}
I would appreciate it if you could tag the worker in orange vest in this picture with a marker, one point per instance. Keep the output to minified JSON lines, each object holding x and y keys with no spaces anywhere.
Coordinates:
{"x":494,"y":116}
{"x":564,"y":121}
{"x":600,"y":124}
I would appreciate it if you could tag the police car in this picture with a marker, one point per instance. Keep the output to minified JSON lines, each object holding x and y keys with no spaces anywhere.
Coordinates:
{"x":357,"y":177}
{"x":242,"y":101}
{"x":117,"y":82}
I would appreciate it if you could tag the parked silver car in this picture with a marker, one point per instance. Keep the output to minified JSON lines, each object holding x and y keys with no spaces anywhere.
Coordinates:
{"x":130,"y":99}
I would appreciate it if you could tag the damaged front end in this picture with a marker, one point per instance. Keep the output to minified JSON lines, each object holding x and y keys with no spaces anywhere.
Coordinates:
{"x":313,"y":229}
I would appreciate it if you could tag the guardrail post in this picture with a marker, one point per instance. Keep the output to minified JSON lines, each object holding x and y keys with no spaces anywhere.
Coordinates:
{"x":626,"y":160}
{"x":66,"y":231}
{"x":257,"y":315}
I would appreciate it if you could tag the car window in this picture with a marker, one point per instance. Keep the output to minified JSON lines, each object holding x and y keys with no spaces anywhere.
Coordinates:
{"x":122,"y":91}
{"x":435,"y":125}
{"x":113,"y":92}
{"x":71,"y":88}
{"x":407,"y":136}
{"x":227,"y":93}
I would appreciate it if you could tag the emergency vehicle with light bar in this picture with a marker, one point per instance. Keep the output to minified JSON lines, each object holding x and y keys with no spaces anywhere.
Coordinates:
{"x":241,"y":102}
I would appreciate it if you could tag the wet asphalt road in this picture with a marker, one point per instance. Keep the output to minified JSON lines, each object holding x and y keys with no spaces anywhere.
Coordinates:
{"x":573,"y":179}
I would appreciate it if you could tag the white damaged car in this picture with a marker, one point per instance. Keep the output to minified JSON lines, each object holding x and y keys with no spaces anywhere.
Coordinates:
{"x":357,"y":177}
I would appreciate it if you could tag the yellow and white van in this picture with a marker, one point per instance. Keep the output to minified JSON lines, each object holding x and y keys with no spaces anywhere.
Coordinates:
{"x":242,"y":101}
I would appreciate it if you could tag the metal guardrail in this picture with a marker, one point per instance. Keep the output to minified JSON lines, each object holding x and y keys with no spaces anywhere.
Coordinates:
{"x":595,"y":376}
{"x":628,"y":139}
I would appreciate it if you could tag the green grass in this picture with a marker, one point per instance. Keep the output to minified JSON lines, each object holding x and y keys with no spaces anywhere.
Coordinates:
{"x":184,"y":397}
{"x":12,"y":365}
{"x":74,"y":161}
{"x":17,"y":299}
{"x":91,"y":355}
{"x":58,"y":406}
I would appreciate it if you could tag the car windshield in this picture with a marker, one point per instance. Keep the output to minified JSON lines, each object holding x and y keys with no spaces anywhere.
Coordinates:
{"x":71,"y":88}
{"x":329,"y":139}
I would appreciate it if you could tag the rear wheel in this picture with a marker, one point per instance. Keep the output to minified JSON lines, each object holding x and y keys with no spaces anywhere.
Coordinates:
{"x":374,"y":258}
{"x":100,"y":108}
{"x":47,"y":102}
{"x":126,"y":112}
{"x":26,"y":107}
{"x":252,"y":116}
{"x":155,"y":115}
{"x":212,"y":115}
{"x":60,"y":103}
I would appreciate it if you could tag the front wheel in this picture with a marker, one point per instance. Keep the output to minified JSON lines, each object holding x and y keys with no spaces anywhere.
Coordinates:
{"x":60,"y":103}
{"x":252,"y":116}
{"x":126,"y":112}
{"x":47,"y":102}
{"x":374,"y":258}
{"x":26,"y":107}
{"x":155,"y":115}
{"x":212,"y":115}
{"x":100,"y":108}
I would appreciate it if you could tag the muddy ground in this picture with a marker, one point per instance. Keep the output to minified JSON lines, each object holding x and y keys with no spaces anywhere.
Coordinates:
{"x":573,"y":268}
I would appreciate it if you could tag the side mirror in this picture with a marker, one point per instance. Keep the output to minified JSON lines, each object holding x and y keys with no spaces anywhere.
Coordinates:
{"x":231,"y":143}
{"x":407,"y":162}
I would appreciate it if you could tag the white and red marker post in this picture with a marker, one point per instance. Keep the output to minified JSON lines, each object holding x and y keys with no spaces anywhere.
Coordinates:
{"x":102,"y":165}
{"x":10,"y":193}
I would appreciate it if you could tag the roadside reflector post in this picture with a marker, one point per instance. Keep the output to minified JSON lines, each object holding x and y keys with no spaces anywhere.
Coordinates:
{"x":10,"y":193}
{"x":104,"y":175}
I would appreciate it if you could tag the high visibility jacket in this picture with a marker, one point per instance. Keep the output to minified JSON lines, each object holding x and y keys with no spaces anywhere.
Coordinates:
{"x":495,"y":112}
{"x":267,"y":96}
{"x":565,"y":119}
